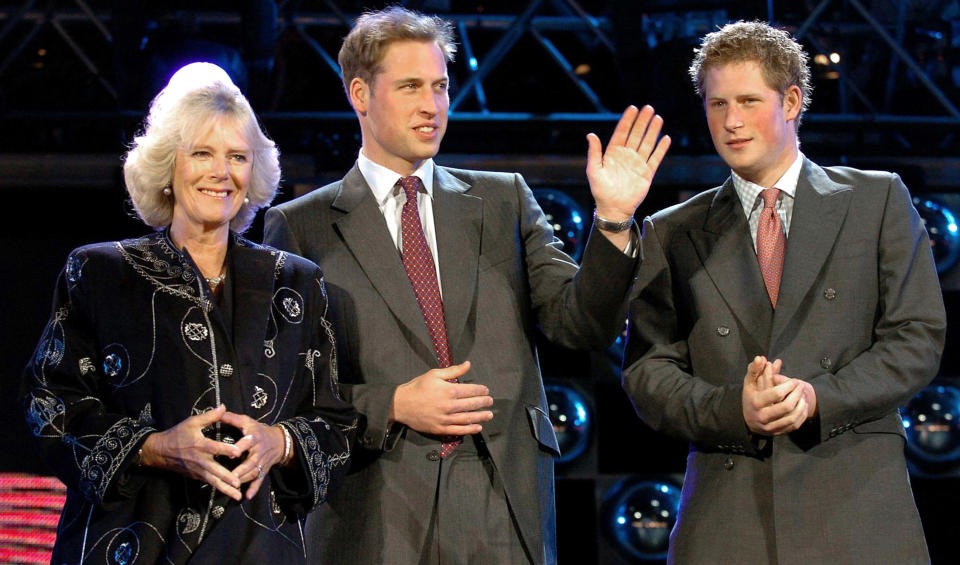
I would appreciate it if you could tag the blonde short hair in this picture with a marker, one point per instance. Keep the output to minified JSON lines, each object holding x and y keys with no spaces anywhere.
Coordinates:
{"x":365,"y":46}
{"x":196,"y":95}
{"x":781,"y":59}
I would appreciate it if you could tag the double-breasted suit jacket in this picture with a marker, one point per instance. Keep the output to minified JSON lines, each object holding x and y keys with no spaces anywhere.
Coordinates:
{"x":860,"y":316}
{"x":502,"y":273}
{"x":135,"y":345}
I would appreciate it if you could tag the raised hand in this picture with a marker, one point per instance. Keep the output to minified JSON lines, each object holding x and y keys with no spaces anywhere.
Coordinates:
{"x":620,"y":177}
{"x":185,"y":450}
{"x":431,"y":404}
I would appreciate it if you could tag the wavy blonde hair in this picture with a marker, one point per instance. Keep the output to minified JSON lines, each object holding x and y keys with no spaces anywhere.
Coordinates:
{"x":196,"y":96}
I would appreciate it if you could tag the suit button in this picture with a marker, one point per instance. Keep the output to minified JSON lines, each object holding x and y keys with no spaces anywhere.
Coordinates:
{"x":433,"y":455}
{"x":826,"y":363}
{"x":217,"y":511}
{"x":830,"y":294}
{"x":226,"y":370}
{"x":723,"y":331}
{"x":728,"y":464}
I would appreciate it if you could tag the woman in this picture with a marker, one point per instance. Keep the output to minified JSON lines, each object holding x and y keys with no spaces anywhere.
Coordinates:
{"x":185,"y":387}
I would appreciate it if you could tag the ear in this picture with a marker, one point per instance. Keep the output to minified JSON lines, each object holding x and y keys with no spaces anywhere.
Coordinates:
{"x":792,"y":102}
{"x":359,"y":93}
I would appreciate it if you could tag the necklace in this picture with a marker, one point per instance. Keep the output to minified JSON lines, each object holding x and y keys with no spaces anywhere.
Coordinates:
{"x":214,"y":282}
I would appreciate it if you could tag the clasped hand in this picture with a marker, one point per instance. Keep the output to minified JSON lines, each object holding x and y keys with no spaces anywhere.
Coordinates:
{"x":774,"y":404}
{"x":185,"y":450}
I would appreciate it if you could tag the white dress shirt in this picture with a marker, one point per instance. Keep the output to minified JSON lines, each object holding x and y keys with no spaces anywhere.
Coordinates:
{"x":391,"y":198}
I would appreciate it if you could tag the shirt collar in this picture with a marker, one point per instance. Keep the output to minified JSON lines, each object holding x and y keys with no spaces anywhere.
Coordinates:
{"x":383,"y":180}
{"x":748,"y":191}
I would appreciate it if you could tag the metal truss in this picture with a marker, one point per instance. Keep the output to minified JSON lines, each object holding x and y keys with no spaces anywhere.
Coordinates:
{"x":490,"y":44}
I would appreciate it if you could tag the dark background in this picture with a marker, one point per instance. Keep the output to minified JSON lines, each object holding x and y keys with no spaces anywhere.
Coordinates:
{"x":76,"y":78}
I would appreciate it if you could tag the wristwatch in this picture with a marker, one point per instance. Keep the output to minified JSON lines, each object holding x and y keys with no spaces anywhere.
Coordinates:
{"x":609,"y":225}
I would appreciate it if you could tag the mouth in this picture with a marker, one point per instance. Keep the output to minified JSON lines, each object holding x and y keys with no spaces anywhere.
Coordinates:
{"x":428,"y":130}
{"x":215,"y":192}
{"x":737,"y":143}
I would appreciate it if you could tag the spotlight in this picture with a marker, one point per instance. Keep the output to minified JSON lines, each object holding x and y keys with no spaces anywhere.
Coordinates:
{"x":639,"y":515}
{"x":571,"y":419}
{"x":941,"y":226}
{"x":932,"y":422}
{"x":566,"y":217}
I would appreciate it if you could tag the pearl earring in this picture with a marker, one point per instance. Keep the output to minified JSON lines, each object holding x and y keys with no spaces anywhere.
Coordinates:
{"x":246,"y":200}
{"x":167,"y":191}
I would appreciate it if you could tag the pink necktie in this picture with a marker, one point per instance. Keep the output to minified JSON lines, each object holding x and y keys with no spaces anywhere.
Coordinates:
{"x":771,"y":244}
{"x":418,"y":261}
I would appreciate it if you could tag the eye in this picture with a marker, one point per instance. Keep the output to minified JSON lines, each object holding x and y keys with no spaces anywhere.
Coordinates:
{"x":443,"y":85}
{"x":200,"y":154}
{"x":238,"y":157}
{"x":717,"y":104}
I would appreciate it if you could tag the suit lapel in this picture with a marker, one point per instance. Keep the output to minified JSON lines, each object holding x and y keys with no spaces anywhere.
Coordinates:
{"x":727,"y":254}
{"x":458,"y":218}
{"x":253,"y":294}
{"x":365,"y":233}
{"x":818,"y":213}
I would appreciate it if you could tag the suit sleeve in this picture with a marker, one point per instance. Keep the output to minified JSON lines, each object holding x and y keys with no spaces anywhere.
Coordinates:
{"x":577,"y":308}
{"x":656,"y":373}
{"x":88,"y":446}
{"x":323,"y":424}
{"x":908,"y":334}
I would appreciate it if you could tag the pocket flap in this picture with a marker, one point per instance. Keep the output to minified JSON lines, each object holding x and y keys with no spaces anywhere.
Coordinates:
{"x":543,"y":429}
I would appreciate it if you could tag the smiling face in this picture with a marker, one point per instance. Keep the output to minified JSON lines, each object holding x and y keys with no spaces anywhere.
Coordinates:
{"x":752,"y":125}
{"x":210,"y":178}
{"x":403,"y":114}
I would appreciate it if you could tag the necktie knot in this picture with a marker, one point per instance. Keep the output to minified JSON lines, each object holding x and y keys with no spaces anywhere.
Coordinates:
{"x":770,"y":196}
{"x":410,"y":186}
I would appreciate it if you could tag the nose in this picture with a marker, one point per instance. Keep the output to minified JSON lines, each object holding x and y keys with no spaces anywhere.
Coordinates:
{"x":219,"y":169}
{"x":732,"y":120}
{"x":430,"y":103}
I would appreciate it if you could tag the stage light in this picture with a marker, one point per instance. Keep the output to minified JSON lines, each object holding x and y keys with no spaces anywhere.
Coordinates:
{"x":941,"y":226}
{"x":566,"y":217}
{"x":834,"y":58}
{"x":571,"y":419}
{"x":639,"y":515}
{"x":932,"y":422}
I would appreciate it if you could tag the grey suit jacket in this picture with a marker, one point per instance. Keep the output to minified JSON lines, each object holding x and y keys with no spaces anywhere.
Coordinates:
{"x":502,"y":274}
{"x":860,"y":316}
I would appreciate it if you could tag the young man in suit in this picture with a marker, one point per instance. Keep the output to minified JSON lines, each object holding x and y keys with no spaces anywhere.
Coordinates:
{"x":438,"y":278}
{"x":819,"y":284}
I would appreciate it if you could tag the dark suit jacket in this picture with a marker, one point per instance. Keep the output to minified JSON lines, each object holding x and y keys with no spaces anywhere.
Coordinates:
{"x":135,"y":345}
{"x":502,"y":274}
{"x":860,"y":315}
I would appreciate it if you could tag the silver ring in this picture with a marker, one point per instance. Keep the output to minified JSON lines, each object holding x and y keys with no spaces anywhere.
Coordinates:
{"x":259,"y":471}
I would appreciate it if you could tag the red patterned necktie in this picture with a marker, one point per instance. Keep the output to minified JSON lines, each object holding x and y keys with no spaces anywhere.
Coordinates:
{"x":771,"y":244}
{"x":418,"y":261}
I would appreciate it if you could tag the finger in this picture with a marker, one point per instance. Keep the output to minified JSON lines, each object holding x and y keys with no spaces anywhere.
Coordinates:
{"x":653,"y":162}
{"x":251,"y":469}
{"x":459,"y":430}
{"x":790,"y":421}
{"x":468,"y":418}
{"x":649,"y":139}
{"x":245,"y":443}
{"x":452,"y":372}
{"x":622,"y":131}
{"x":214,"y":447}
{"x":778,"y":365}
{"x":777,"y":393}
{"x":239,"y":421}
{"x":225,"y":488}
{"x":755,"y":368}
{"x":213,"y":471}
{"x":469,"y":390}
{"x":470,"y":404}
{"x":209,"y":417}
{"x":594,"y":153}
{"x":255,"y":485}
{"x":639,"y":129}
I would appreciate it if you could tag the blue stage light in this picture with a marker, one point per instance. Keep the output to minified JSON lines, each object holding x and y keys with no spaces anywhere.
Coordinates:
{"x":566,"y":217}
{"x":639,"y":515}
{"x":571,"y":419}
{"x":931,"y":421}
{"x":941,"y":224}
